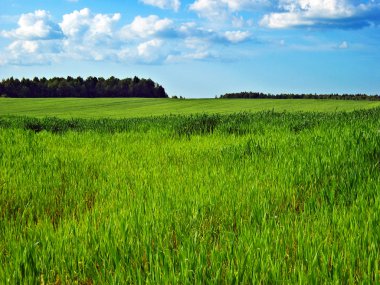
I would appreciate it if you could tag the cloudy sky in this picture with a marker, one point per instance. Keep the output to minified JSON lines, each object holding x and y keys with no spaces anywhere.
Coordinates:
{"x":198,"y":48}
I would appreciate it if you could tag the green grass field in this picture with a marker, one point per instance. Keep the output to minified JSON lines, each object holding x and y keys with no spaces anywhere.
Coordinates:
{"x":264,"y":197}
{"x":128,"y":108}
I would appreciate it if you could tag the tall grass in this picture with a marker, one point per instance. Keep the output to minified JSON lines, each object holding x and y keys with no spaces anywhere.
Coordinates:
{"x":242,"y":198}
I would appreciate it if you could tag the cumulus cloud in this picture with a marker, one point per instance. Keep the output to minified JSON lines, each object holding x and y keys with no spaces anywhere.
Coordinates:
{"x":36,"y":40}
{"x":164,"y":4}
{"x":83,"y":24}
{"x":150,"y":51}
{"x":143,"y":27}
{"x":36,"y":25}
{"x":209,"y":8}
{"x":23,"y":46}
{"x":27,"y":52}
{"x":89,"y":36}
{"x":83,"y":35}
{"x":324,"y":13}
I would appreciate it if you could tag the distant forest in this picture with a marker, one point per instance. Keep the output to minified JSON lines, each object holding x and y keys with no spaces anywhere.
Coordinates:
{"x":92,"y":87}
{"x":259,"y":95}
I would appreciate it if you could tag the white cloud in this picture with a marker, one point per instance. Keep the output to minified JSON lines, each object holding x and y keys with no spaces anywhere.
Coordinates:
{"x":36,"y":25}
{"x":36,"y":40}
{"x":89,"y":36}
{"x":83,"y":24}
{"x":197,"y":44}
{"x":27,"y":52}
{"x":164,"y":4}
{"x":221,"y":8}
{"x":102,"y":24}
{"x":209,"y":8}
{"x":143,"y":27}
{"x":194,"y":48}
{"x":285,"y":20}
{"x":84,"y":35}
{"x":76,"y":22}
{"x":23,"y":46}
{"x":187,"y":28}
{"x":124,"y":53}
{"x":192,"y":30}
{"x":317,"y":12}
{"x":236,"y":36}
{"x":149,"y":51}
{"x":192,"y":33}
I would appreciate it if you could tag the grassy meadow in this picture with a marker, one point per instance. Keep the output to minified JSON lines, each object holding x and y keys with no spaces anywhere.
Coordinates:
{"x":138,"y":107}
{"x":212,"y":198}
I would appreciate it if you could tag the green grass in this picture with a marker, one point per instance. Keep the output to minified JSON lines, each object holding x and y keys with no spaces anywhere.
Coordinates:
{"x":246,"y":198}
{"x":128,"y":108}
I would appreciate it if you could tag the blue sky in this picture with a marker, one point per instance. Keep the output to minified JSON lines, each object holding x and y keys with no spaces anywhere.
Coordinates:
{"x":198,"y":48}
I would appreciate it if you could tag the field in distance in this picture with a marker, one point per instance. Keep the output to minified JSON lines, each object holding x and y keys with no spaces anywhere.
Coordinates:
{"x":137,"y":107}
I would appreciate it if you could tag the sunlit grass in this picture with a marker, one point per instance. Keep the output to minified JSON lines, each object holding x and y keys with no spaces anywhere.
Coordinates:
{"x":137,"y":107}
{"x":245,"y":198}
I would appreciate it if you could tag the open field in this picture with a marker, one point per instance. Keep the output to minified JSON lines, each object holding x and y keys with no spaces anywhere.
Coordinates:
{"x":263,"y":197}
{"x":128,"y":108}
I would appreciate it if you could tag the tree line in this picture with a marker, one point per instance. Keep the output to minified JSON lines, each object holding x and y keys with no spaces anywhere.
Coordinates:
{"x":92,"y":87}
{"x":259,"y":95}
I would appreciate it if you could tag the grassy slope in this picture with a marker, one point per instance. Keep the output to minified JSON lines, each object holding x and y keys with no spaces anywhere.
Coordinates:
{"x":126,"y":108}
